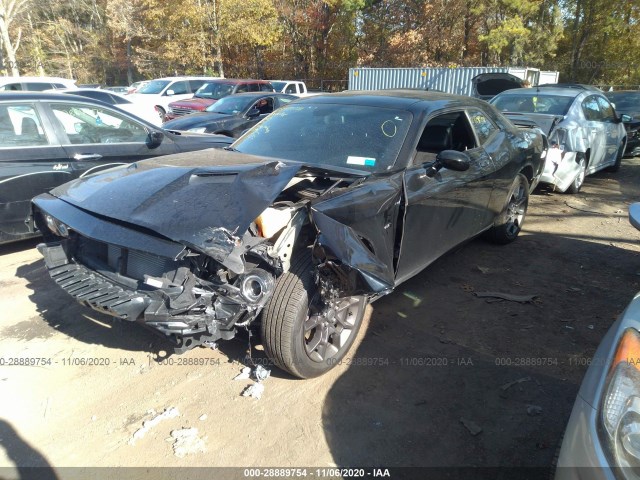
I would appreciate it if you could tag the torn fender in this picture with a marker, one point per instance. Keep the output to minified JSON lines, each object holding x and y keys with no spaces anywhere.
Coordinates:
{"x":357,"y":229}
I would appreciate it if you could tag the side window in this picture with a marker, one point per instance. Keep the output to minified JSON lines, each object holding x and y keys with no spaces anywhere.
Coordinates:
{"x":266,"y":87}
{"x":38,"y":86}
{"x":591,"y":108}
{"x":20,"y":126}
{"x":91,"y":124}
{"x":264,"y":105}
{"x":448,"y":131}
{"x":284,"y":100}
{"x":11,"y":87}
{"x":179,"y":88}
{"x":254,"y":87}
{"x":607,"y":112}
{"x":242,"y":88}
{"x":291,"y":89}
{"x":196,"y":84}
{"x":482,"y":125}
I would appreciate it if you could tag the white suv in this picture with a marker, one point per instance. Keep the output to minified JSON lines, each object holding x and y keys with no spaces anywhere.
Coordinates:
{"x":34,"y":84}
{"x":161,"y":91}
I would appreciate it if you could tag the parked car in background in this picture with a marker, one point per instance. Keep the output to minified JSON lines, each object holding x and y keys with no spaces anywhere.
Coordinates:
{"x":327,"y":204}
{"x":34,"y":84}
{"x":292,"y":87}
{"x":122,"y":90}
{"x":602,"y":439}
{"x":627,"y":102}
{"x":585,"y":133}
{"x":47,"y":139}
{"x":162,"y":91}
{"x":212,"y":91}
{"x":136,"y":85}
{"x":146,"y":112}
{"x":231,"y":115}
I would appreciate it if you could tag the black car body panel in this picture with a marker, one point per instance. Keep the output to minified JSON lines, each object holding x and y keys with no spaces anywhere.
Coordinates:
{"x":627,"y":102}
{"x":40,"y":148}
{"x":370,"y":220}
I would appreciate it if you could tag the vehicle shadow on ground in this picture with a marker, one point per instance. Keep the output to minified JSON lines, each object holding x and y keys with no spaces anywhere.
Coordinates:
{"x":438,"y":362}
{"x":29,"y":463}
{"x":64,"y":314}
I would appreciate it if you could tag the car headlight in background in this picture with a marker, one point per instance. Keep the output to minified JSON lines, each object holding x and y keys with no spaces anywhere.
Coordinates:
{"x":620,"y":414}
{"x":198,"y":130}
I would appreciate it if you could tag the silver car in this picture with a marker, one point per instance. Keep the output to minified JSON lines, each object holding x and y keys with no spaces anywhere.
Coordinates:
{"x":602,"y":440}
{"x":585,"y":133}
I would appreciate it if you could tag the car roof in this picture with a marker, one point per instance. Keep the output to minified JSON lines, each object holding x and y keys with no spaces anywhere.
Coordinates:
{"x":258,"y":94}
{"x":36,"y":79}
{"x":65,"y":96}
{"x":564,"y":92}
{"x":395,"y":98}
{"x":238,"y":81}
{"x":181,"y":78}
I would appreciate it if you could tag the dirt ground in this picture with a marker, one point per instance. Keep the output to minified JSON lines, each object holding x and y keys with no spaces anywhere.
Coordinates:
{"x":434,"y":362}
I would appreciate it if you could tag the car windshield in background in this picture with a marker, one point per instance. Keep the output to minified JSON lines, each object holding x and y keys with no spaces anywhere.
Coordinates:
{"x":153,"y":87}
{"x":230,"y":105}
{"x":350,"y":136}
{"x":278,"y":86}
{"x":214,"y":90}
{"x":546,"y":104}
{"x":625,"y":101}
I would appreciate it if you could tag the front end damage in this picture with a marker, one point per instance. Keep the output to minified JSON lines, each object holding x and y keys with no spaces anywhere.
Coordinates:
{"x":204,"y":287}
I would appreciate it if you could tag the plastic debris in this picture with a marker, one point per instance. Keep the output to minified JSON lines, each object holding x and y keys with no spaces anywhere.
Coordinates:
{"x":533,"y":410}
{"x":260,"y":373}
{"x":402,"y":315}
{"x":244,"y":374}
{"x":473,"y":427}
{"x":412,"y":296}
{"x":507,"y":296}
{"x":186,"y":442}
{"x":203,"y":416}
{"x":147,"y":425}
{"x":254,"y":391}
{"x":484,"y":270}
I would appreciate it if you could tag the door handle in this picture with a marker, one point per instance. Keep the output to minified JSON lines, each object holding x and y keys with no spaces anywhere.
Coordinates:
{"x":87,"y":156}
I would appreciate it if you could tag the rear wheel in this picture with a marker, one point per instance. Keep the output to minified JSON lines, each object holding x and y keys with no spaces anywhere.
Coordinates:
{"x":509,"y":222}
{"x":161,"y":113}
{"x":576,"y":185}
{"x":302,"y":334}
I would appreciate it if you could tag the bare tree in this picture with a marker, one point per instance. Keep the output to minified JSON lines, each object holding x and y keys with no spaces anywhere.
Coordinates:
{"x":9,"y":11}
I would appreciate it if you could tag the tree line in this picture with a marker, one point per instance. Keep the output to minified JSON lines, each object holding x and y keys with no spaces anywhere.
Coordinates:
{"x":120,"y":41}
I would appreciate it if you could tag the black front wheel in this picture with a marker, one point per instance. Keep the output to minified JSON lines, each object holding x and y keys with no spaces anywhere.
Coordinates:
{"x":509,"y":223}
{"x":302,"y":334}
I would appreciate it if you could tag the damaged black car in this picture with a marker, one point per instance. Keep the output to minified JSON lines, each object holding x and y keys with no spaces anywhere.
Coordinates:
{"x":323,"y":207}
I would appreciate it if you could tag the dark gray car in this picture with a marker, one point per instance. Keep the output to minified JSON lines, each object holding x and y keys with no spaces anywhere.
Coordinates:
{"x":47,"y":139}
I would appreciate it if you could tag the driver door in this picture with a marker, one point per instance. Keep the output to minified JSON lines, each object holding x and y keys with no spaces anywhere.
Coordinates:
{"x":449,"y":207}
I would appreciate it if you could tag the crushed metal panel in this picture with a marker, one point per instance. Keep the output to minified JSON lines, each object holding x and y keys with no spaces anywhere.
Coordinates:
{"x":357,"y":235}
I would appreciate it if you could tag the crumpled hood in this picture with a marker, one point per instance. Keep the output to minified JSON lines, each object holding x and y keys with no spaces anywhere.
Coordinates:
{"x":544,"y":121}
{"x":205,"y":199}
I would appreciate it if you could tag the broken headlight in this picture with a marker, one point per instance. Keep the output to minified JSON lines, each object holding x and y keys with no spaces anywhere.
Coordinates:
{"x":620,"y":413}
{"x":256,"y":286}
{"x":57,"y":227}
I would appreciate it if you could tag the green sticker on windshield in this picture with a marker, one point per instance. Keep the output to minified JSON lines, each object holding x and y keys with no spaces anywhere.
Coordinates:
{"x":366,"y":161}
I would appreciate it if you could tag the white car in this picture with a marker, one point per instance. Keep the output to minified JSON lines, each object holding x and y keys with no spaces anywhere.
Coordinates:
{"x":141,"y":110}
{"x":34,"y":84}
{"x":160,"y":92}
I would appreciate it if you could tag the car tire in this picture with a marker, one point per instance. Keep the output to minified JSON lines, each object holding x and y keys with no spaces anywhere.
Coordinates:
{"x":161,"y":113}
{"x":509,"y":223}
{"x":577,"y":183}
{"x":295,"y":334}
{"x":616,"y":166}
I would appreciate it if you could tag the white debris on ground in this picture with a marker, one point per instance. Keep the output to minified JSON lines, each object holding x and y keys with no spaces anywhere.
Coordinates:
{"x":147,"y":425}
{"x":254,"y":391}
{"x":186,"y":442}
{"x":244,"y":374}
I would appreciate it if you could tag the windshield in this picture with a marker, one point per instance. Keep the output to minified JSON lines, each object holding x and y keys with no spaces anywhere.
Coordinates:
{"x":231,"y":105}
{"x":625,"y":101}
{"x":538,"y":103}
{"x":350,"y":136}
{"x":214,"y":90}
{"x":154,"y":87}
{"x":278,"y":86}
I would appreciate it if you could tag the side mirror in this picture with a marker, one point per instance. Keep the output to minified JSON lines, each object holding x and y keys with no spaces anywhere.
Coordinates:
{"x":170,"y":92}
{"x":154,"y":139}
{"x":254,"y":112}
{"x":624,"y":118}
{"x":449,"y":159}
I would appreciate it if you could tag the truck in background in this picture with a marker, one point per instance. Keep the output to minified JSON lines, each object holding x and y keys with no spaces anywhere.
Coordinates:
{"x":292,"y":87}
